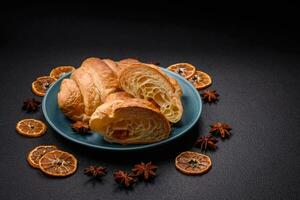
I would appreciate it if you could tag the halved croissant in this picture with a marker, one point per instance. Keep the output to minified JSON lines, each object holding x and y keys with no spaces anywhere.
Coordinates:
{"x":122,"y":64}
{"x":147,"y":82}
{"x":130,"y":121}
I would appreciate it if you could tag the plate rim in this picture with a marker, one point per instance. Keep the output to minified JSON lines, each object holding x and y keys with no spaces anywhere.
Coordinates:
{"x":125,"y":148}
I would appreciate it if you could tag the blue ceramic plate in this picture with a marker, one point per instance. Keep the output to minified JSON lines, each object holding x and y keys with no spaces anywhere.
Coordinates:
{"x":192,"y":109}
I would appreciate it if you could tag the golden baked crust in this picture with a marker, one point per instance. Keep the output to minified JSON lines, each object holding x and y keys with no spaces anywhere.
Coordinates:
{"x":130,"y":121}
{"x":113,"y":66}
{"x":102,"y":76}
{"x":149,"y":82}
{"x":70,"y":100}
{"x":90,"y":94}
{"x":121,"y":95}
{"x":129,"y":61}
{"x":87,"y":88}
{"x":122,"y":64}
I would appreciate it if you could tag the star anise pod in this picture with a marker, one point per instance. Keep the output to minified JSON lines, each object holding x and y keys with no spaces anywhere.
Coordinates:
{"x":182,"y":71}
{"x":220,"y":129}
{"x":206,"y":142}
{"x":95,"y":171}
{"x":210,"y":96}
{"x":123,"y":178}
{"x":80,"y":127}
{"x":31,"y":105}
{"x":145,"y":171}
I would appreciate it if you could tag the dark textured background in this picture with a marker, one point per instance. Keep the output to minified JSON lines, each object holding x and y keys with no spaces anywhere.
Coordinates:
{"x":252,"y":56}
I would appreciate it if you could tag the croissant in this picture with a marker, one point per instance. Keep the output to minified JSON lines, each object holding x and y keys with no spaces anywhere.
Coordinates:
{"x":140,"y":114}
{"x":149,"y":82}
{"x":130,"y":121}
{"x":87,"y":88}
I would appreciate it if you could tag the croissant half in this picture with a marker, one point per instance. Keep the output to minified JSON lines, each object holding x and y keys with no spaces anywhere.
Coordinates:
{"x":147,"y":82}
{"x":130,"y":121}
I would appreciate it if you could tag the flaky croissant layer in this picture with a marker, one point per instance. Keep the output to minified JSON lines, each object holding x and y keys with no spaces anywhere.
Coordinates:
{"x":147,"y":82}
{"x":130,"y":121}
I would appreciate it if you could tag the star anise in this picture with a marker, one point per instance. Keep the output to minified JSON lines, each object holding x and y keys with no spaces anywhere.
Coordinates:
{"x":123,"y":178}
{"x":195,"y":78}
{"x":182,"y":71}
{"x":206,"y":142}
{"x":80,"y":127}
{"x":145,"y":171}
{"x":210,"y":96}
{"x":220,"y":129}
{"x":31,"y":105}
{"x":95,"y":171}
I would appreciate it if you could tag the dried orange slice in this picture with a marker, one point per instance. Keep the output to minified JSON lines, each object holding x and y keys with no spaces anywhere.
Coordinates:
{"x":58,"y":163}
{"x":31,"y":127}
{"x":35,"y":155}
{"x":41,"y":84}
{"x":200,"y":80}
{"x":59,"y":71}
{"x":184,"y":69}
{"x":192,"y":163}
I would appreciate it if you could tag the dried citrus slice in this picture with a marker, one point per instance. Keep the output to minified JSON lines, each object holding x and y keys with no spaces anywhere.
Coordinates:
{"x":58,"y":163}
{"x":35,"y":155}
{"x":59,"y":71}
{"x":184,"y":69}
{"x":192,"y":163}
{"x":41,"y":84}
{"x":31,"y":127}
{"x":200,"y":80}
